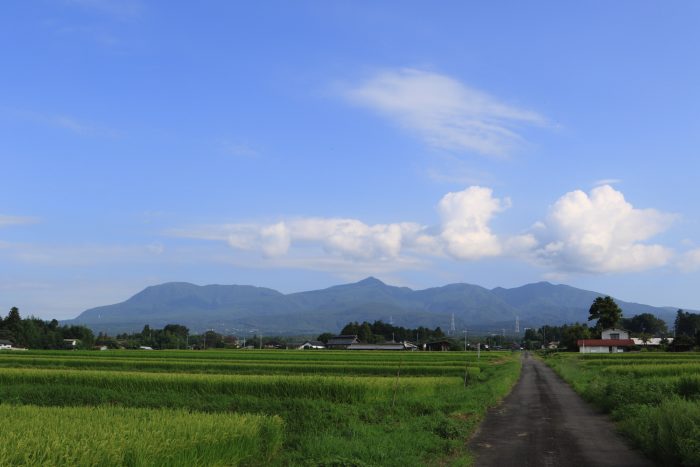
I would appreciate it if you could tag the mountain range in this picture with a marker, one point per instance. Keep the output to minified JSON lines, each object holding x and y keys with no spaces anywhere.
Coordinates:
{"x":239,"y":309}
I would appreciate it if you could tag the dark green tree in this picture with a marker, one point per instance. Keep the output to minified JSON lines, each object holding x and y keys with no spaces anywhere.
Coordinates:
{"x":325,"y":337}
{"x":645,"y":323}
{"x":571,"y":333}
{"x":606,"y":311}
{"x":686,"y":324}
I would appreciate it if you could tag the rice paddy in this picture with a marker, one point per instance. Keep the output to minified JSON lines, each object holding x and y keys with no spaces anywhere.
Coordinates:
{"x":246,"y":407}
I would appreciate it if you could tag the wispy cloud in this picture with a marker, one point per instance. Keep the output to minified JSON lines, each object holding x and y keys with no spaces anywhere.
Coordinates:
{"x":79,"y":255}
{"x":444,"y":112}
{"x":16,"y":220}
{"x":608,"y":181}
{"x":62,"y":121}
{"x":119,"y":9}
{"x":238,"y":149}
{"x":690,"y":261}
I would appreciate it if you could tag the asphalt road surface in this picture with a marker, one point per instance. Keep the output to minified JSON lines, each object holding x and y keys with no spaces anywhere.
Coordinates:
{"x":543,"y":422}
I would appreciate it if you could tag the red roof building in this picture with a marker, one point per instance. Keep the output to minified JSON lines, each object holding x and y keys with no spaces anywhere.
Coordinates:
{"x":603,"y":345}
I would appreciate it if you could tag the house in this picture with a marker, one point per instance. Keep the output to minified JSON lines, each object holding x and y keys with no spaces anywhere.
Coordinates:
{"x":342,"y":342}
{"x":385,"y":346}
{"x":440,"y":346}
{"x":71,"y":344}
{"x":310,"y":345}
{"x":553,"y":345}
{"x":614,"y":333}
{"x":5,"y":344}
{"x":612,"y":341}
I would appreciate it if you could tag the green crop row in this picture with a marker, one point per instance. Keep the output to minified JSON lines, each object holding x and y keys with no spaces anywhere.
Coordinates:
{"x":242,"y":367}
{"x":272,"y":355}
{"x":118,"y":436}
{"x":391,"y":419}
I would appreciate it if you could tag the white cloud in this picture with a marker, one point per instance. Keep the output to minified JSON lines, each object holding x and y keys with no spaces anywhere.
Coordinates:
{"x":463,"y":234}
{"x":596,"y":232}
{"x":601,"y":232}
{"x":465,"y":223}
{"x":444,"y":112}
{"x":349,"y":238}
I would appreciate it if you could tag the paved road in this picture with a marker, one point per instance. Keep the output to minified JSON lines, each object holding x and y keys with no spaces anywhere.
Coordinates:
{"x":543,"y":422}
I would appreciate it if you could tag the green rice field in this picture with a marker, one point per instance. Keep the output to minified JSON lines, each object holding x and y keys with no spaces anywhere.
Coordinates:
{"x":236,"y":407}
{"x":653,"y":396}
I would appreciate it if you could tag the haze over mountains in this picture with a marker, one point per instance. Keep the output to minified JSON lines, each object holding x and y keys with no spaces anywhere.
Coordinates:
{"x":238,"y":309}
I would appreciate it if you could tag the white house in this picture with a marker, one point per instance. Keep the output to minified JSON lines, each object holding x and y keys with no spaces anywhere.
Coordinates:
{"x":614,"y":333}
{"x":613,"y":341}
{"x":5,"y":344}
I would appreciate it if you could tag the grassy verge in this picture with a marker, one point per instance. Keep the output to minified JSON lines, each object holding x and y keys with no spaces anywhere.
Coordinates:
{"x":655,"y":402}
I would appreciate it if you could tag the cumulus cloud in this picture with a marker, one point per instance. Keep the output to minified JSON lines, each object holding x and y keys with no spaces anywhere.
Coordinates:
{"x":463,"y":233}
{"x":349,"y":238}
{"x":595,"y":232}
{"x":444,"y":112}
{"x":465,"y":223}
{"x":601,"y":232}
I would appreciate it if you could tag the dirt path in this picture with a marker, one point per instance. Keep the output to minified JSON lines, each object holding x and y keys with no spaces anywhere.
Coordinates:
{"x":543,"y":422}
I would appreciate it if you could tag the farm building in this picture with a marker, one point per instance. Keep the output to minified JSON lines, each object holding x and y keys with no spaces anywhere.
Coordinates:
{"x":437,"y":345}
{"x":342,"y":342}
{"x":652,"y":341}
{"x":604,"y":345}
{"x":5,"y":344}
{"x":308,"y":345}
{"x":386,"y":346}
{"x":612,"y":341}
{"x":71,"y":344}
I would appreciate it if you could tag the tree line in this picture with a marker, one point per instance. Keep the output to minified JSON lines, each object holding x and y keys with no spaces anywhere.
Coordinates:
{"x":379,"y":332}
{"x":35,"y":333}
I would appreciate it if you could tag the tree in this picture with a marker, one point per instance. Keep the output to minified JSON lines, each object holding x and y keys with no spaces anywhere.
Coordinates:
{"x":645,"y":323}
{"x":325,"y":337}
{"x":606,"y":311}
{"x":686,"y":324}
{"x":570,"y":334}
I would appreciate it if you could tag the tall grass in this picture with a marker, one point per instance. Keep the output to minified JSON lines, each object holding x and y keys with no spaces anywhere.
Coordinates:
{"x":656,"y":401}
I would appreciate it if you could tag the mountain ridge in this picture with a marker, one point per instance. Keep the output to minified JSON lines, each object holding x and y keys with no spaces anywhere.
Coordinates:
{"x":242,"y":308}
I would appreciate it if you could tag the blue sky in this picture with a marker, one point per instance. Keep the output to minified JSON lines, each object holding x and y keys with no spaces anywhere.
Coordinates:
{"x":298,"y":145}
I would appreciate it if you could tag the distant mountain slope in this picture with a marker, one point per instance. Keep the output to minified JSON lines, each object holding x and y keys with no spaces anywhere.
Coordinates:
{"x":241,"y":308}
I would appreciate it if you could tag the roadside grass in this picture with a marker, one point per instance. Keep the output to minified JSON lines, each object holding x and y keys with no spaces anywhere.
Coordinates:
{"x":654,"y":400}
{"x":352,"y":418}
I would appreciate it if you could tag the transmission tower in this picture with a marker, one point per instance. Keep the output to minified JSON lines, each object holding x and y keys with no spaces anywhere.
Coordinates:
{"x":452,"y":325}
{"x":517,"y":325}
